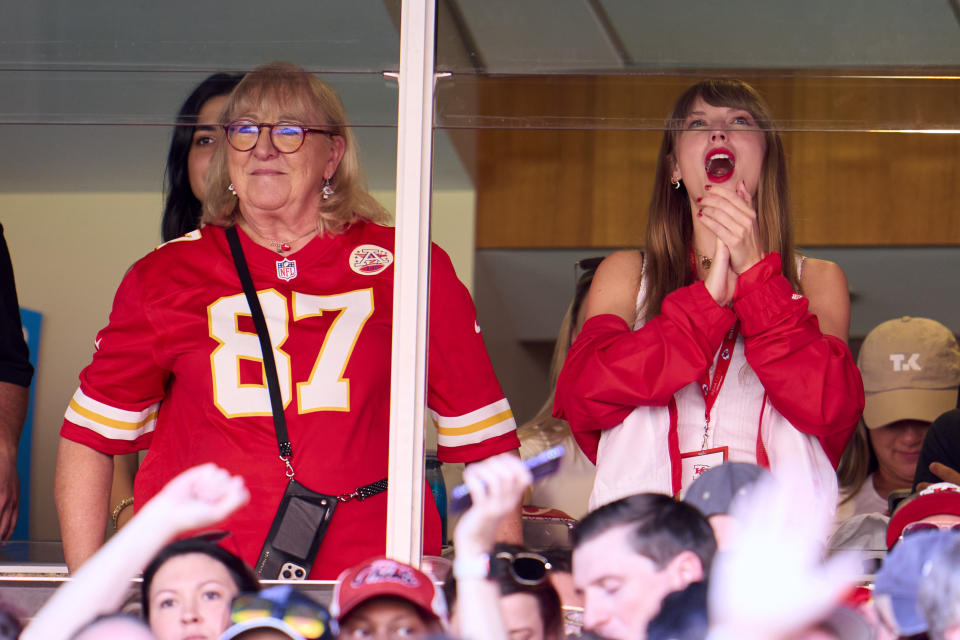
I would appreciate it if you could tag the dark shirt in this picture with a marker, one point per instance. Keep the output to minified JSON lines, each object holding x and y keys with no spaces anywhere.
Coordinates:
{"x":15,"y":365}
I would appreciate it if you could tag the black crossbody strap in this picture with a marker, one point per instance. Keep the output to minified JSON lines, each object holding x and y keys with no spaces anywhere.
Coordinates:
{"x":269,"y":364}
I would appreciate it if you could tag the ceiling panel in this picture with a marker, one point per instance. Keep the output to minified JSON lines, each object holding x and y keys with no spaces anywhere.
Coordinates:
{"x":329,"y":35}
{"x":537,"y":37}
{"x":781,"y":33}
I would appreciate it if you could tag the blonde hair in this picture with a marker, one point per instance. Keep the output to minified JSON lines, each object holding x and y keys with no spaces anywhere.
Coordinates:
{"x":857,"y":462}
{"x":670,"y":227}
{"x":315,"y":103}
{"x":554,"y":430}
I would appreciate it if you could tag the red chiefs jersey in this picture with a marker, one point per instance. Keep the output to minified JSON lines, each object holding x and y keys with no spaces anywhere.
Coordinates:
{"x":178,"y":370}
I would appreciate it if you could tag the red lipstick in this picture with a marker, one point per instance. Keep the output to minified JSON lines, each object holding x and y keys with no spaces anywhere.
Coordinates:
{"x":719,"y":164}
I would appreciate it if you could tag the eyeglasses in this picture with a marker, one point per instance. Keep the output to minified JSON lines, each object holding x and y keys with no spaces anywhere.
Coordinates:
{"x":915,"y":527}
{"x":286,"y":137}
{"x":310,"y":622}
{"x":525,"y":568}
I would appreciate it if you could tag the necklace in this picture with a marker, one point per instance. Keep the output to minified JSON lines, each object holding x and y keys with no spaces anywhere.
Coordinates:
{"x":281,"y":246}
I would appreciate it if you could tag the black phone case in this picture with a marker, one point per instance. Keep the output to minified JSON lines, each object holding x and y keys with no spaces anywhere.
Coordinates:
{"x":296,"y":533}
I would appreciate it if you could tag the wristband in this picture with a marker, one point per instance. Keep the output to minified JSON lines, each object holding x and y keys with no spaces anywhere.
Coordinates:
{"x":472,"y":567}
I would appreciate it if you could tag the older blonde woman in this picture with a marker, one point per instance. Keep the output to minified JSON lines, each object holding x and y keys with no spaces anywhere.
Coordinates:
{"x":179,"y":367}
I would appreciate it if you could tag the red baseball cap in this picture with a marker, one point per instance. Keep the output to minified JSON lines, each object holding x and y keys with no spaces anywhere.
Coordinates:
{"x":385,"y":577}
{"x":937,"y":499}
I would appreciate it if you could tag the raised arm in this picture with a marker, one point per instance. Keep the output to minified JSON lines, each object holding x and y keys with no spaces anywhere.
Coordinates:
{"x":496,"y":486}
{"x":611,"y":369}
{"x":808,"y":372}
{"x":196,"y":498}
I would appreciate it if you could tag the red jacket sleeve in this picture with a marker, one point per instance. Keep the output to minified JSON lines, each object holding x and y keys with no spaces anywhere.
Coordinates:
{"x":611,"y":369}
{"x":810,"y":378}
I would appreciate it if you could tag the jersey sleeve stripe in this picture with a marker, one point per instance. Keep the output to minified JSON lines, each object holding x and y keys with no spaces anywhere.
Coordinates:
{"x":472,"y":418}
{"x":487,"y":422}
{"x":478,"y":426}
{"x":110,"y":422}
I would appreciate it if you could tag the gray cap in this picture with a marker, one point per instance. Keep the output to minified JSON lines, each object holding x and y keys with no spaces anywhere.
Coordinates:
{"x":866,"y":533}
{"x":714,"y":491}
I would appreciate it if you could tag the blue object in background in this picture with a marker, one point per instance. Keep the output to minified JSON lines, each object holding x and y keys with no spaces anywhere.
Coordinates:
{"x":438,"y":488}
{"x":32,"y":321}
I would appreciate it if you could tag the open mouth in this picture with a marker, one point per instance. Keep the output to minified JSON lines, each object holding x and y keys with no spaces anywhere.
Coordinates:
{"x":719,"y":165}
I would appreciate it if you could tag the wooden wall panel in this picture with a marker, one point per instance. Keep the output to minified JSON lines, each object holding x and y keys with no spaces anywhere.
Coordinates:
{"x":569,"y":162}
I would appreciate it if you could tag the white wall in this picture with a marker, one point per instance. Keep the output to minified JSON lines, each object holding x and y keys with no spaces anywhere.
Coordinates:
{"x":69,"y":252}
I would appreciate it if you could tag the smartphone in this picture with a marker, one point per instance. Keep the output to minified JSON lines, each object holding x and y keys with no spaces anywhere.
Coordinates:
{"x":541,"y":465}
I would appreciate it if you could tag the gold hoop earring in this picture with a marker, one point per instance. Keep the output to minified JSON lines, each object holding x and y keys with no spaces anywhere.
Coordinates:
{"x":675,"y":183}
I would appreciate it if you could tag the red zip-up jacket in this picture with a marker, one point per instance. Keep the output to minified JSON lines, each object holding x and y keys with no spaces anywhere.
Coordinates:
{"x":810,"y":378}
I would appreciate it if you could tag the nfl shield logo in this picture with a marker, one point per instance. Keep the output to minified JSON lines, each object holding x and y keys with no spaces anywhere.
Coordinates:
{"x":287,"y":269}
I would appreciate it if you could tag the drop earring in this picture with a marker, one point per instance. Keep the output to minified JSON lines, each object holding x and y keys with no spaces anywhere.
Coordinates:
{"x":327,"y":190}
{"x":232,"y":189}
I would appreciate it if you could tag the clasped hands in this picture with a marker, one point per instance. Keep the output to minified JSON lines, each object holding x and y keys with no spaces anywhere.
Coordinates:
{"x":731,"y":216}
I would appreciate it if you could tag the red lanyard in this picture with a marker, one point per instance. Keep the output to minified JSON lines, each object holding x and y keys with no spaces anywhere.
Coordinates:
{"x":711,"y":390}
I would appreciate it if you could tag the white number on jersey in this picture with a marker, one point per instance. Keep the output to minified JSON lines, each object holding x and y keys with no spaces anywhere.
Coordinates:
{"x":325,"y":390}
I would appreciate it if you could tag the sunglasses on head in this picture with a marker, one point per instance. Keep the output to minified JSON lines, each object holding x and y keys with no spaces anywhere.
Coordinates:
{"x":310,"y":622}
{"x":585,"y":266}
{"x":915,"y":527}
{"x":525,"y":568}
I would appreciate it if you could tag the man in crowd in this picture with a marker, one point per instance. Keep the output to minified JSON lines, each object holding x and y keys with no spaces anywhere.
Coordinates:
{"x":629,"y":554}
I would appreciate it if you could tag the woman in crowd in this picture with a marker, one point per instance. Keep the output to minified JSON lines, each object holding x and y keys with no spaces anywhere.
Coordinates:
{"x":179,"y":366}
{"x":197,"y":497}
{"x":718,"y":342}
{"x":529,"y":605}
{"x":187,"y":589}
{"x":569,"y":488}
{"x":911,"y":374}
{"x":194,"y":140}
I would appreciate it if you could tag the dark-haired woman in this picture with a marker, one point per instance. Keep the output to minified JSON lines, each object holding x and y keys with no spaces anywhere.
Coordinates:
{"x":718,"y":342}
{"x":187,"y":589}
{"x":194,"y":140}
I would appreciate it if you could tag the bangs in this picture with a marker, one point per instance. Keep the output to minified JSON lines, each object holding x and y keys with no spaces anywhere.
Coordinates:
{"x":733,"y":94}
{"x":285,"y":87}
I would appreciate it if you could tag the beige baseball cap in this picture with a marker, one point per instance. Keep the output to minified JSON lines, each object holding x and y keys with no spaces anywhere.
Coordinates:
{"x":911,"y":371}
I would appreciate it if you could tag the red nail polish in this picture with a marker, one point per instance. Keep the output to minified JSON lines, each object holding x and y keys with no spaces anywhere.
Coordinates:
{"x":700,"y":213}
{"x":699,"y":199}
{"x":706,"y":188}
